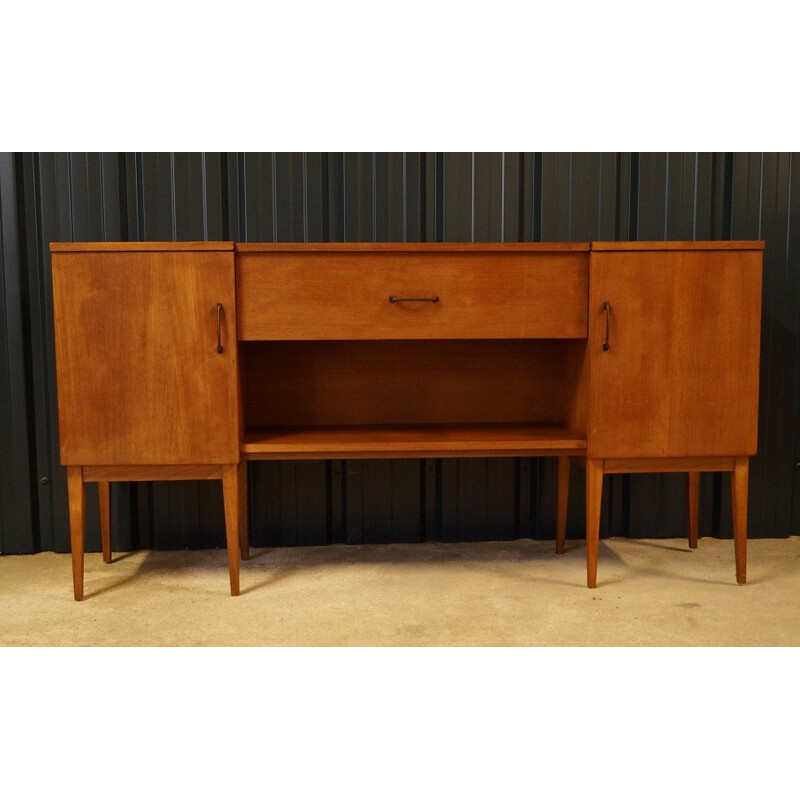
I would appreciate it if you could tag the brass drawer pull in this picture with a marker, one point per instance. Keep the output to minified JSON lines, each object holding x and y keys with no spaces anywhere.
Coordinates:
{"x":394,"y":299}
{"x":220,"y":348}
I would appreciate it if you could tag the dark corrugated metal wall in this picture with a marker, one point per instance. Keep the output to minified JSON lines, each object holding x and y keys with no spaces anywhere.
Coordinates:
{"x":383,"y":197}
{"x":16,"y":512}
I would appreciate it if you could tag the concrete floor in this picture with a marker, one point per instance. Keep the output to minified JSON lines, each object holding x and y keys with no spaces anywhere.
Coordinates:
{"x":650,"y":592}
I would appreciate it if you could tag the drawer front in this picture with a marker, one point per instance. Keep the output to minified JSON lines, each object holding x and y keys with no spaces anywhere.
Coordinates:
{"x":359,"y":295}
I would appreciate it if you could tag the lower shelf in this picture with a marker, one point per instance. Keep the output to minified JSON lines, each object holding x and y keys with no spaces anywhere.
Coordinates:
{"x":411,"y":441}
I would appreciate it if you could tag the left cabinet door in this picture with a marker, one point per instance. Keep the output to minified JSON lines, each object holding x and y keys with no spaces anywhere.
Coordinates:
{"x":141,"y":379}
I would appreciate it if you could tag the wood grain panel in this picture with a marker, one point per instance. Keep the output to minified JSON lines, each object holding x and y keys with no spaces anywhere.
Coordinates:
{"x":680,"y":377}
{"x":697,"y":464}
{"x":154,"y":472}
{"x":140,"y":380}
{"x":484,"y":294}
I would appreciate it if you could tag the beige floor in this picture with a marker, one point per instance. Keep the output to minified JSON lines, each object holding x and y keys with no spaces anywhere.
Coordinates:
{"x":650,"y":592}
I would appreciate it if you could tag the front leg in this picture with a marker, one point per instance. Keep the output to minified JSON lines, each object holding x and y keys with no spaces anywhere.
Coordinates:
{"x":76,"y":492}
{"x":739,"y":489}
{"x":594,"y":499}
{"x":104,"y":496}
{"x":231,"y":498}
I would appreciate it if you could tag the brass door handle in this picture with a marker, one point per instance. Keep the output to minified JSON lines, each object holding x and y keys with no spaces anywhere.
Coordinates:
{"x":607,"y":309}
{"x":220,"y":348}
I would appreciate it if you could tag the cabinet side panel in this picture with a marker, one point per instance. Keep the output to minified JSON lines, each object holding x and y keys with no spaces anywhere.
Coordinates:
{"x":680,"y":376}
{"x":140,"y":380}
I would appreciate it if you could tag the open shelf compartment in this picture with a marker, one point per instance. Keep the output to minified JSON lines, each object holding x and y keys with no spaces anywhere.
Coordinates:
{"x":411,"y":399}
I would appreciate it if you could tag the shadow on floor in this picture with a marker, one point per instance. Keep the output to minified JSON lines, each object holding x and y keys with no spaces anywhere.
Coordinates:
{"x":268,"y":566}
{"x":271,"y":565}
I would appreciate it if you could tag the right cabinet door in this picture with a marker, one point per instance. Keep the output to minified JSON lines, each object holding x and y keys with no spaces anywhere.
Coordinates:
{"x":679,"y":375}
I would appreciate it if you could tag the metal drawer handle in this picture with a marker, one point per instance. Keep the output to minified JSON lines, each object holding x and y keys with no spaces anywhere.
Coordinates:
{"x":607,"y":309}
{"x":220,"y":348}
{"x":394,"y":299}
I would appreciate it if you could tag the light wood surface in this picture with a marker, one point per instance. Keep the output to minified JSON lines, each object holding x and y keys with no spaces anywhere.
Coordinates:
{"x":410,"y":441}
{"x":152,"y":472}
{"x":392,"y":382}
{"x":692,"y":464}
{"x":492,"y":295}
{"x":680,"y":377}
{"x":140,"y":380}
{"x":76,"y":495}
{"x":575,"y":365}
{"x":104,"y":497}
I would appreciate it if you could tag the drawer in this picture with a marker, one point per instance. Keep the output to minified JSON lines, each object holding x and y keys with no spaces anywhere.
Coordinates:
{"x":319,"y":294}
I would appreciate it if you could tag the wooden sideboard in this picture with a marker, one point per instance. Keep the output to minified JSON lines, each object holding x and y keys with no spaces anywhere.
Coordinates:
{"x":186,"y":360}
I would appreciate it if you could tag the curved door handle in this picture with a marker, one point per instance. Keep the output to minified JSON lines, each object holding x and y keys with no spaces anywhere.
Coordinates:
{"x":220,"y":348}
{"x":395,"y":299}
{"x":607,"y":309}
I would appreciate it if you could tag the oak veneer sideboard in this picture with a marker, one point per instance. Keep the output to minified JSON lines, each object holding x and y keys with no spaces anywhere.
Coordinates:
{"x":187,"y":360}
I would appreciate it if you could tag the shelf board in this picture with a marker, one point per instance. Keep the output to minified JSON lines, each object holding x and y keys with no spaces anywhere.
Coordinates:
{"x":411,"y":441}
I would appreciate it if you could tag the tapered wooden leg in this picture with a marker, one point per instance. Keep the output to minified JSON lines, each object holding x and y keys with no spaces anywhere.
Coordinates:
{"x":77,"y":519}
{"x":104,"y":493}
{"x":594,"y":497}
{"x":739,"y":491}
{"x":693,"y":482}
{"x":244,"y":530}
{"x":562,"y":496}
{"x":230,"y":496}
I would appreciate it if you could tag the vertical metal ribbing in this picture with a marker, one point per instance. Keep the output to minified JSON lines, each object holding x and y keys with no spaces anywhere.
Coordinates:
{"x":204,"y":189}
{"x":19,"y":531}
{"x":274,"y":193}
{"x":172,"y":199}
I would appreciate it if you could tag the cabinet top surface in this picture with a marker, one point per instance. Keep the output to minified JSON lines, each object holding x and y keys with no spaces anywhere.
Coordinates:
{"x":411,"y":247}
{"x":659,"y":245}
{"x":132,"y":247}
